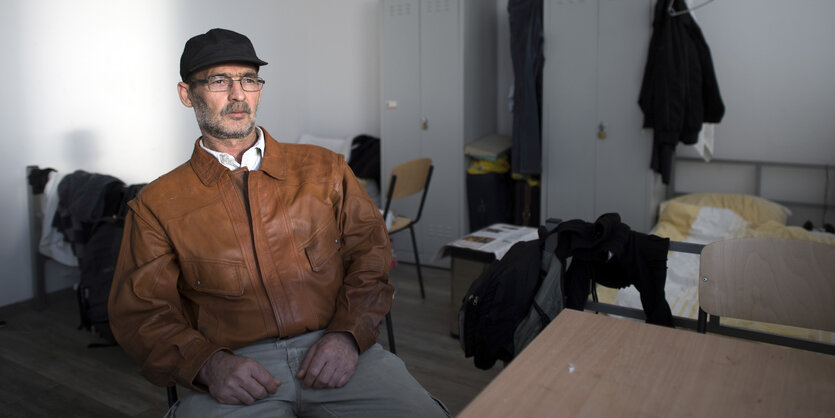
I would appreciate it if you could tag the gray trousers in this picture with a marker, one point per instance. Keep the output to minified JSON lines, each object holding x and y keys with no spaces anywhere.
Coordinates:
{"x":380,"y":387}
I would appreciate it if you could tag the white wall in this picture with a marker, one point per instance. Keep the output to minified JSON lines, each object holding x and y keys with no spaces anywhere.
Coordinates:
{"x":91,"y":84}
{"x":775,"y":62}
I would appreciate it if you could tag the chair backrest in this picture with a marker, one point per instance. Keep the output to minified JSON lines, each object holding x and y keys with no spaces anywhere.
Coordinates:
{"x":408,"y":179}
{"x":774,"y":280}
{"x":411,"y":177}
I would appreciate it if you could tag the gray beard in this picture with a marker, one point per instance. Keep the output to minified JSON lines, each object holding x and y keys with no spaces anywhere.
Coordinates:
{"x":212,"y":126}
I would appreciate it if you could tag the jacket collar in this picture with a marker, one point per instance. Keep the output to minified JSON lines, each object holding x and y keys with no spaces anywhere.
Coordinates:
{"x":208,"y":169}
{"x":274,"y":162}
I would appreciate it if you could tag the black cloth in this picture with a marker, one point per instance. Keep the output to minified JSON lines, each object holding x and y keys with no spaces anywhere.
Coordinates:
{"x":679,"y":91}
{"x":38,"y":178}
{"x":365,"y":157}
{"x":526,"y":39}
{"x":609,"y":252}
{"x":83,"y":199}
{"x":129,"y":194}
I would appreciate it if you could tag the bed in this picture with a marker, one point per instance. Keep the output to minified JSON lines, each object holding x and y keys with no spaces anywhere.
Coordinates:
{"x":705,"y":217}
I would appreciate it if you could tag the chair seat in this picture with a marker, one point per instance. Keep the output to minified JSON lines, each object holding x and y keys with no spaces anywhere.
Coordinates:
{"x":399,"y":223}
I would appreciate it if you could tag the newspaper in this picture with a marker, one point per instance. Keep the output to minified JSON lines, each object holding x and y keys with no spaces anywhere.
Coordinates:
{"x":496,"y":238}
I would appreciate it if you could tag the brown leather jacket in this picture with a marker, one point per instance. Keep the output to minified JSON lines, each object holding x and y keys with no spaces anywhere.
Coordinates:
{"x":215,"y":259}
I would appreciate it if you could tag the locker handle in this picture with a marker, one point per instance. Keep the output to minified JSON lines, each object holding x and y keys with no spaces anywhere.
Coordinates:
{"x":601,"y":131}
{"x":424,"y":123}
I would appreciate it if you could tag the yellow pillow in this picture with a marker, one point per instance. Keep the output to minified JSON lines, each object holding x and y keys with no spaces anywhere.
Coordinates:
{"x":753,"y":209}
{"x":675,"y":220}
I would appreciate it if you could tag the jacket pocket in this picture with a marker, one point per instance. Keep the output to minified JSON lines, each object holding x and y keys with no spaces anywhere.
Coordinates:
{"x":214,"y":277}
{"x":322,"y":247}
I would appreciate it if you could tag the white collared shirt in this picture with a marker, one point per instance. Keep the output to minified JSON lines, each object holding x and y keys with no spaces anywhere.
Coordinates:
{"x":251,"y":158}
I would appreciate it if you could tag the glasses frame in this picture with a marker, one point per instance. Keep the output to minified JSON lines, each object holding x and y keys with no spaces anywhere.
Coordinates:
{"x":260,"y":83}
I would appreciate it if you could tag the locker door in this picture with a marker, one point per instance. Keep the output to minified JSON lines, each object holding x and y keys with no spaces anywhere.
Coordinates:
{"x":400,"y":88}
{"x":597,"y":152}
{"x":623,"y":175}
{"x":570,"y":110}
{"x":400,"y":56}
{"x":441,"y":62}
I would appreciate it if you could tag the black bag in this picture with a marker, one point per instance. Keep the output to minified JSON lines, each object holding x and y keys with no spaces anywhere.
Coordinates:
{"x":365,"y":157}
{"x":510,"y":303}
{"x":97,"y":263}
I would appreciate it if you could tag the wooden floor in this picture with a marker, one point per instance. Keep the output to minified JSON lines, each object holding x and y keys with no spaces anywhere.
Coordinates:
{"x":47,"y":369}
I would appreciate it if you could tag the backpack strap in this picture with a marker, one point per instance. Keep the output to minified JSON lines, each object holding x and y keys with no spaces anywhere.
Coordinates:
{"x":548,"y":300}
{"x":548,"y":242}
{"x":548,"y":239}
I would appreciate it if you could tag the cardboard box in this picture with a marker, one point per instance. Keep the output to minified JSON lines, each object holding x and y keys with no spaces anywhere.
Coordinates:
{"x":490,"y":147}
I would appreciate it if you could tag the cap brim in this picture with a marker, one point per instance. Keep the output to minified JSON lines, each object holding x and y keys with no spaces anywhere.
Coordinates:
{"x":227,"y":59}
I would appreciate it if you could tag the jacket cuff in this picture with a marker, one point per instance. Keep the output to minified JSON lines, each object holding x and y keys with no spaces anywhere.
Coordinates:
{"x":193,"y":363}
{"x":364,"y":340}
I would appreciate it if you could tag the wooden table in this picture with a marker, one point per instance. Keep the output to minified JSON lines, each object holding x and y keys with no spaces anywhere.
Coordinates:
{"x":587,"y":365}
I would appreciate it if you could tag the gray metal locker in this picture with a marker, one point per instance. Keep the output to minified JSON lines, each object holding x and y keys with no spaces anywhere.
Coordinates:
{"x":438,"y":90}
{"x":596,"y":151}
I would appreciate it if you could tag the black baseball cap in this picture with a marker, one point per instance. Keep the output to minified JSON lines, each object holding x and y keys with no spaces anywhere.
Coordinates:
{"x":215,"y":47}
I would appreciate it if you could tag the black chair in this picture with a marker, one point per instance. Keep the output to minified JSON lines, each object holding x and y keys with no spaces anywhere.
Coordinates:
{"x":172,"y":395}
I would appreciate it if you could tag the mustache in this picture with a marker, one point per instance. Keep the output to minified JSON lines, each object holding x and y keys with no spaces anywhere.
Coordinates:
{"x":236,"y":107}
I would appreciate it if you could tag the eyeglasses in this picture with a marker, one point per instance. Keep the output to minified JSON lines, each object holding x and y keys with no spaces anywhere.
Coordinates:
{"x":224,"y":83}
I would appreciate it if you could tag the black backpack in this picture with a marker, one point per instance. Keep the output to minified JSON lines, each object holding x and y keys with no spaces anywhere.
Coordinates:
{"x":512,"y":301}
{"x":97,"y":263}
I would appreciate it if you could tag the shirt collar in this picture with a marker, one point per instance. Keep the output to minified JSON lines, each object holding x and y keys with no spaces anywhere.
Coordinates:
{"x":251,"y":158}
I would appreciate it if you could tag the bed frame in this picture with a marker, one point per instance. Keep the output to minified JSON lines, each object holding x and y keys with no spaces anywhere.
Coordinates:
{"x":43,"y":267}
{"x":38,"y":260}
{"x":805,"y":189}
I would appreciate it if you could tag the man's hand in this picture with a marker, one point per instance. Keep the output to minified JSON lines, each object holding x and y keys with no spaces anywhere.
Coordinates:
{"x":330,"y":362}
{"x":236,"y":380}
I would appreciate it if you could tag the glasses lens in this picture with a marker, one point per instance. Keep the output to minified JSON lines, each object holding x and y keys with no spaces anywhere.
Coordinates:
{"x":219,"y":83}
{"x":251,"y":84}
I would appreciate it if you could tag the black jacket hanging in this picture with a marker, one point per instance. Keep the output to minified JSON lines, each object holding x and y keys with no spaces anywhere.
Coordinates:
{"x":526,"y":37}
{"x":679,"y":91}
{"x":609,"y":252}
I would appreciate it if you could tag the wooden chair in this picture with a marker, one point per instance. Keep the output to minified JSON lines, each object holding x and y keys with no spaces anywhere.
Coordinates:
{"x":408,"y":179}
{"x":771,"y":280}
